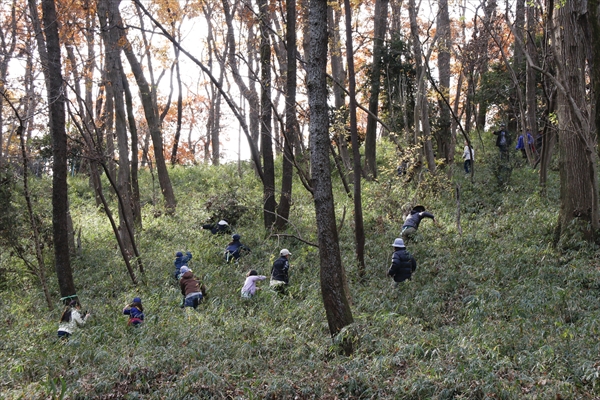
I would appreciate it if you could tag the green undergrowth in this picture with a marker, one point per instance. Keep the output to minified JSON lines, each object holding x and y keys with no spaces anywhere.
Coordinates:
{"x":494,"y":311}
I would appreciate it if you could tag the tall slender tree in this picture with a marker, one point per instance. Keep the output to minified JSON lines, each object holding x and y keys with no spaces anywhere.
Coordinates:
{"x":578,"y":157}
{"x":444,"y":136}
{"x":51,"y":62}
{"x":266,"y":114}
{"x":359,"y":230}
{"x":333,"y":291}
{"x":291,"y":122}
{"x":379,"y":32}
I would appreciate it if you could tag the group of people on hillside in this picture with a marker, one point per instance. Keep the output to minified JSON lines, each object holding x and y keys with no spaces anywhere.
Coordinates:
{"x":193,"y":291}
{"x":503,"y":142}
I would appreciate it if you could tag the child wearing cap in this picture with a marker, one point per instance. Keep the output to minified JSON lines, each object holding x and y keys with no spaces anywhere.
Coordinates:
{"x":135,"y":310}
{"x":249,"y":289}
{"x":180,"y":261}
{"x":71,"y":319}
{"x":235,"y":248}
{"x":280,"y":271}
{"x":403,"y":263}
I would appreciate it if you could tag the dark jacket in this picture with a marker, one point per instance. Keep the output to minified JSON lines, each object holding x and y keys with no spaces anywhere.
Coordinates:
{"x":502,"y":133}
{"x":216,"y":228}
{"x":280,"y":269}
{"x":414,"y":219}
{"x":181,"y":261}
{"x":136,"y":316}
{"x":403,"y":265}
{"x":234,"y":249}
{"x":189,"y":284}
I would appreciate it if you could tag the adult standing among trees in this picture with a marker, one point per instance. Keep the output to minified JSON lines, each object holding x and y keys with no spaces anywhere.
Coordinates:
{"x":469,"y":157}
{"x":503,"y":140}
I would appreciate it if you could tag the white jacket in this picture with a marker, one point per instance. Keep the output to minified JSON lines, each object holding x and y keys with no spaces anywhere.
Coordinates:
{"x":469,"y":155}
{"x":75,"y":321}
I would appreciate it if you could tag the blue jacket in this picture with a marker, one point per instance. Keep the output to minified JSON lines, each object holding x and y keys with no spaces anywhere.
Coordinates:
{"x":279,"y":271}
{"x":520,"y":141}
{"x":181,"y":261}
{"x":403,"y":265}
{"x":136,"y":316}
{"x":414,"y":219}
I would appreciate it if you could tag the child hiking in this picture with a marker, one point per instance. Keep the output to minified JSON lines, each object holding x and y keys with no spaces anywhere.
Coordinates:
{"x":249,"y":289}
{"x":71,"y":319}
{"x":135,"y":310}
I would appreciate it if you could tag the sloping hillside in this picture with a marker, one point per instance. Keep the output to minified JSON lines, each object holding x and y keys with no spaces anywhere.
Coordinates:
{"x":494,"y":312}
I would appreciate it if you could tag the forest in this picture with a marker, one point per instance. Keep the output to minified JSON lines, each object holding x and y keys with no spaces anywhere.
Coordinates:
{"x":313,"y":126}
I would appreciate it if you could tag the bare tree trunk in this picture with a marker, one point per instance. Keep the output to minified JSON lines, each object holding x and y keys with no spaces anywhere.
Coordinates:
{"x":421,"y":104}
{"x":248,"y":91}
{"x":179,"y":108}
{"x":289,"y":134}
{"x":339,"y":75}
{"x":109,"y":19}
{"x":519,"y":30}
{"x":445,"y":143}
{"x":153,"y":125}
{"x":594,"y":24}
{"x":266,"y":142}
{"x":335,"y":298}
{"x":56,"y":105}
{"x":135,"y":187}
{"x":578,"y":174}
{"x":40,"y":269}
{"x":489,"y":13}
{"x":359,"y":230}
{"x":530,"y":92}
{"x":8,"y":43}
{"x":380,"y":29}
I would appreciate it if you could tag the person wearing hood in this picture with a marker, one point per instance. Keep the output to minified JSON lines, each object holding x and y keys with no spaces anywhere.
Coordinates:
{"x":280,"y":271}
{"x":403,"y":263}
{"x":135,"y":310}
{"x":180,"y":261}
{"x":221,"y":227}
{"x":70,"y":319}
{"x":191,"y":288}
{"x":235,"y":248}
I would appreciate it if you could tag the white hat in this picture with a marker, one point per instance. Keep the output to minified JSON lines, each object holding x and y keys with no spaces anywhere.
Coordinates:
{"x":223,"y":222}
{"x":184,"y":269}
{"x":285,"y":252}
{"x":398,"y":243}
